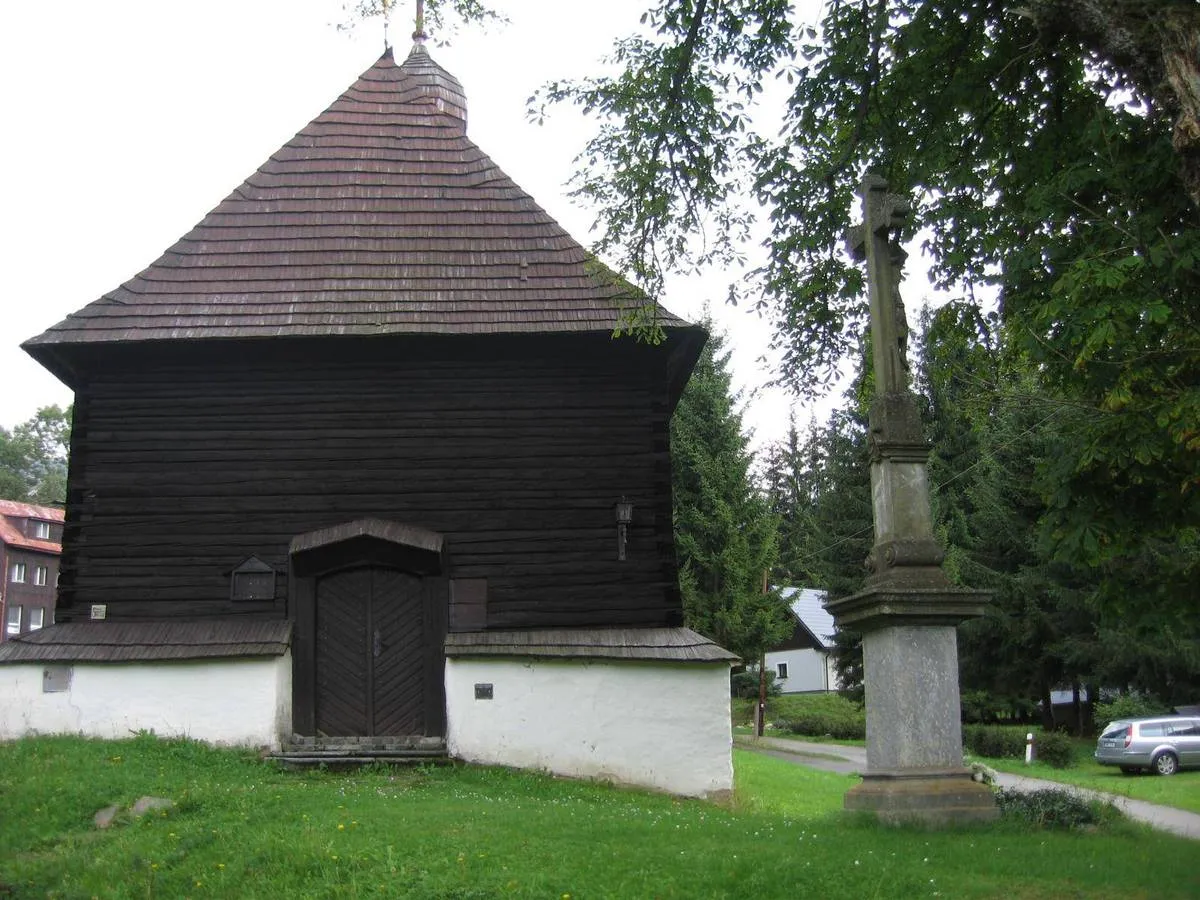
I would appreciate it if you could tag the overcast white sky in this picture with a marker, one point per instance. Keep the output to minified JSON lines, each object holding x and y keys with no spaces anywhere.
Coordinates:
{"x":127,"y":120}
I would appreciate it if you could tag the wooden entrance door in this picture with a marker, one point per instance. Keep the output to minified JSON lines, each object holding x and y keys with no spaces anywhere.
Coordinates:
{"x":374,"y":659}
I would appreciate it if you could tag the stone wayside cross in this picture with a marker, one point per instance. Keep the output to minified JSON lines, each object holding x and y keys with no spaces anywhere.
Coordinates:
{"x":908,"y":610}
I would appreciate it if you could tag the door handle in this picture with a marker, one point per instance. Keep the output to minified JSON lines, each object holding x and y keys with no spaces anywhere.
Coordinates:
{"x":377,"y":646}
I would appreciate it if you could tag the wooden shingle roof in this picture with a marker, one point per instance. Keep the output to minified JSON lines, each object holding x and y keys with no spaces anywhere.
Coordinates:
{"x":68,"y":642}
{"x":640,"y":644}
{"x":379,"y":217}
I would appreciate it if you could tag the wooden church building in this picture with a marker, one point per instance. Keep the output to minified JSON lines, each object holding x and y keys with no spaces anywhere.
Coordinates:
{"x":358,"y":461}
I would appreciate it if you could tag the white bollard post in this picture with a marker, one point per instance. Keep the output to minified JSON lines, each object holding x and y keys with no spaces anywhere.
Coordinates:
{"x":1028,"y":747}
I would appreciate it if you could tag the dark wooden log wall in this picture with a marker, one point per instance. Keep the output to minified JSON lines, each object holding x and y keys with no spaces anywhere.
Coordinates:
{"x":187,"y":461}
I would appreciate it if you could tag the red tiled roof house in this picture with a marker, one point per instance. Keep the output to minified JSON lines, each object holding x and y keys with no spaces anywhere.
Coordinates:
{"x":347,"y":462}
{"x":30,"y":545}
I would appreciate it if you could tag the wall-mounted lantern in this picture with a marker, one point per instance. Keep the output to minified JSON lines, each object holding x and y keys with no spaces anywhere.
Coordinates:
{"x":624,"y":508}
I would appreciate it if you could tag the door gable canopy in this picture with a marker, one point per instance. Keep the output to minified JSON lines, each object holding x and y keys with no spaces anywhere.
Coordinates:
{"x":418,"y":551}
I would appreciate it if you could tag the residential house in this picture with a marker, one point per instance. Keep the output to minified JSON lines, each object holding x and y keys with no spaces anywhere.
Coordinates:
{"x":30,"y":545}
{"x":803,"y":663}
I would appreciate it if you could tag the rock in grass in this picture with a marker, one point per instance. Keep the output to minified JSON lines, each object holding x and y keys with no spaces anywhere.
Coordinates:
{"x":146,"y":804}
{"x":105,"y":817}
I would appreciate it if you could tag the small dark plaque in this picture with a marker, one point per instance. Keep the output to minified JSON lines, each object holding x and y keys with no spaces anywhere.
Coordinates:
{"x":56,"y":679}
{"x":483,"y":692}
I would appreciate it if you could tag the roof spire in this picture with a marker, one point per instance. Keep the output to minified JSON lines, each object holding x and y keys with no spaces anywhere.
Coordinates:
{"x":419,"y":34}
{"x":386,"y":6}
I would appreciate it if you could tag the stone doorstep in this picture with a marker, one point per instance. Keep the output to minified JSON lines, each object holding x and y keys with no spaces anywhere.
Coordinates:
{"x":301,"y":761}
{"x":357,"y":744}
{"x":339,"y":752}
{"x":304,"y":751}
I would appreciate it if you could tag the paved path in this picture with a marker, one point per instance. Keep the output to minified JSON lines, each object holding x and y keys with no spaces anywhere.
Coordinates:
{"x":853,"y":760}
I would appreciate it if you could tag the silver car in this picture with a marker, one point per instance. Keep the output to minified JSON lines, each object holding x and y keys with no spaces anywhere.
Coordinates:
{"x":1164,"y":744}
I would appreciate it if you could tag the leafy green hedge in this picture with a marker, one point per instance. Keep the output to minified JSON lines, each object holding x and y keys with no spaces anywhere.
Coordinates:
{"x":1054,"y":808}
{"x":1051,"y":747}
{"x":823,"y":715}
{"x":1054,"y":748}
{"x":994,"y":741}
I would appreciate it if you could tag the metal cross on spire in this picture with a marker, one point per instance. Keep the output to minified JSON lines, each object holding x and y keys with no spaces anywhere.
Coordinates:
{"x":419,"y":34}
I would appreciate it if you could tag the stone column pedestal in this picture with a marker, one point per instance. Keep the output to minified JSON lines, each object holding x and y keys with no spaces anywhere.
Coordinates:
{"x":915,"y":767}
{"x":915,"y":770}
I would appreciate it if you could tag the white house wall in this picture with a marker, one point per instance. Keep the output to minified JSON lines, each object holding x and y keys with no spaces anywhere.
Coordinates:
{"x":226,"y":701}
{"x":658,"y":725}
{"x":808,"y":670}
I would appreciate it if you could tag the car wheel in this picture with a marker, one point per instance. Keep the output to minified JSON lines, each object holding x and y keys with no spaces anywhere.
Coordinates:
{"x":1166,"y":764}
{"x":1130,"y":770}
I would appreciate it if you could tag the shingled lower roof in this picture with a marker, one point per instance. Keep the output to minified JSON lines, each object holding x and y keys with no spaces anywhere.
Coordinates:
{"x":379,"y":217}
{"x":634,"y":644}
{"x":141,"y":641}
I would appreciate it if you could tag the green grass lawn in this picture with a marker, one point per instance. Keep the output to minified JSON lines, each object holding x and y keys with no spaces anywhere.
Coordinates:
{"x":243,"y":829}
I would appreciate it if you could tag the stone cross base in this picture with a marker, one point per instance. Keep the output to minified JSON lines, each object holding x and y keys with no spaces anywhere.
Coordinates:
{"x":914,"y":733}
{"x":935,"y":797}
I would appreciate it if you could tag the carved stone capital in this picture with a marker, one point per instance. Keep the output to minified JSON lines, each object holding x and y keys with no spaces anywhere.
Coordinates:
{"x":905,"y":553}
{"x":900,"y":598}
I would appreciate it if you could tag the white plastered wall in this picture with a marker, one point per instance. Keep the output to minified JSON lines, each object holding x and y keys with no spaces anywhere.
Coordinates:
{"x":808,"y":670}
{"x":654,"y":724}
{"x":244,"y":702}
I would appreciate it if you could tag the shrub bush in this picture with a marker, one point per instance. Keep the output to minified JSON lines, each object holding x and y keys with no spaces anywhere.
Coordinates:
{"x":1054,"y":809}
{"x":994,"y":741}
{"x":1127,"y":706}
{"x":1054,"y":748}
{"x":742,"y":711}
{"x":823,"y":715}
{"x":744,"y":684}
{"x":977,"y":707}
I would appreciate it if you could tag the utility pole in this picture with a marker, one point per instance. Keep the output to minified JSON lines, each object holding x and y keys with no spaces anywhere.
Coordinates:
{"x":762,"y":674}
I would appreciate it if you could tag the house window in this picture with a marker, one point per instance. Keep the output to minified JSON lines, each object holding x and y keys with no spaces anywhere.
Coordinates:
{"x":40,"y":576}
{"x":37,"y":617}
{"x":782,"y":673}
{"x":17,"y":573}
{"x":12,"y":622}
{"x":41,"y":530}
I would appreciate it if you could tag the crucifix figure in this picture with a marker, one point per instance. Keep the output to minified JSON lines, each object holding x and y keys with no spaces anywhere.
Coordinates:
{"x":877,"y":241}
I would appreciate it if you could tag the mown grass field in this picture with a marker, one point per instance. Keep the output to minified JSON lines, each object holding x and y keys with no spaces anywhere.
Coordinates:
{"x":242,"y":828}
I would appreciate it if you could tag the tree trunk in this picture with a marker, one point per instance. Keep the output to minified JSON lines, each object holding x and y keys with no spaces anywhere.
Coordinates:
{"x":1047,"y":709}
{"x":1154,"y":44}
{"x":1181,"y":60}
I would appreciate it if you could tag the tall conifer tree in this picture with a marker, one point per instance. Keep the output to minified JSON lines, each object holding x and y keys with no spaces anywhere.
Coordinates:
{"x":725,"y":534}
